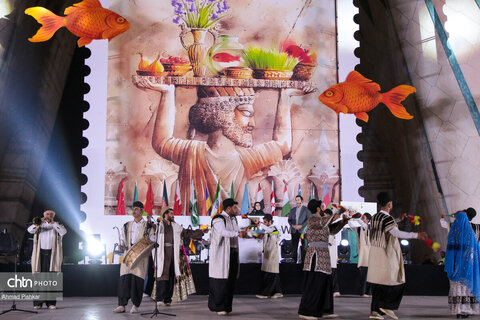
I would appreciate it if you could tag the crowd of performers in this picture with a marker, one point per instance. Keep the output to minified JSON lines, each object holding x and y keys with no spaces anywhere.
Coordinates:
{"x":380,"y":258}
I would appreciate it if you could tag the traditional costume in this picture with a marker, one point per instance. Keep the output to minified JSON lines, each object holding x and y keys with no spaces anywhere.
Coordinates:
{"x":363,"y":248}
{"x":132,"y":279}
{"x":462,"y":264}
{"x":386,"y":271}
{"x":47,"y":254}
{"x":270,"y":264}
{"x":224,"y":264}
{"x":170,"y":241}
{"x":317,"y":298}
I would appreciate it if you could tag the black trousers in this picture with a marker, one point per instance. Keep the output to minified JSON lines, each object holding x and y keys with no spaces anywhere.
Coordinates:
{"x":365,"y":287}
{"x":317,"y":298}
{"x":165,"y":287}
{"x":220,"y":295}
{"x":295,"y":239}
{"x":386,"y":297}
{"x":270,"y":284}
{"x":149,"y":277}
{"x":335,"y":286}
{"x":130,"y":287}
{"x":45,"y":256}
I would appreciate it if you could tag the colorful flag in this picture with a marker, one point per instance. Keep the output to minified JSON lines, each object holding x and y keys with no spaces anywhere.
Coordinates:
{"x":272,"y":200}
{"x":121,"y":201}
{"x":285,"y":203}
{"x":326,"y":197}
{"x":208,"y":203}
{"x":135,"y":194}
{"x":260,"y":196}
{"x":299,"y":190}
{"x":217,"y":203}
{"x":245,"y":202}
{"x":165,"y":195}
{"x":177,"y":206}
{"x":148,"y":206}
{"x":193,"y":206}
{"x":312,"y":192}
{"x":192,"y":246}
{"x":232,"y":193}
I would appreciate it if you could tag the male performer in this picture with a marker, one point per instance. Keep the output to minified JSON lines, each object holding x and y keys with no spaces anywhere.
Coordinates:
{"x":170,"y":235}
{"x":297,"y":219}
{"x":270,"y":263}
{"x":47,"y":254}
{"x":363,"y":248}
{"x":223,"y":267}
{"x":131,"y":281}
{"x":385,"y":262}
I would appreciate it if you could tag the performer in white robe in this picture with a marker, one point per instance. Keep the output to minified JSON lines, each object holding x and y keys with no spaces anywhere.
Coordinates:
{"x":270,"y":264}
{"x":385,"y":262}
{"x":131,"y":281}
{"x":363,"y":248}
{"x":224,"y":264}
{"x":170,"y":240}
{"x":47,"y":254}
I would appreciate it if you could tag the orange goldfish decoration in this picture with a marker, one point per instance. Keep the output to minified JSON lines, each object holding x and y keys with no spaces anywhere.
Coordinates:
{"x":358,"y":95}
{"x":87,"y":20}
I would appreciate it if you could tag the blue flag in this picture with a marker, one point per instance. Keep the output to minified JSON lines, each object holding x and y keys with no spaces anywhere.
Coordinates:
{"x":299,"y":190}
{"x":245,"y":201}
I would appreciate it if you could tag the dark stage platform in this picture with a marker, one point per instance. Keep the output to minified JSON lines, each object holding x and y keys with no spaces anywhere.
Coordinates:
{"x":101,"y":280}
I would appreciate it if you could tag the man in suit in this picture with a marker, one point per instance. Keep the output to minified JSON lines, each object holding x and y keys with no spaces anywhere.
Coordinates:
{"x":297,"y":219}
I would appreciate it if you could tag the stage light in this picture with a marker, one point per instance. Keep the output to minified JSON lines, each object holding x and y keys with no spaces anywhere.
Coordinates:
{"x":344,"y":242}
{"x":94,"y":247}
{"x":404,"y":242}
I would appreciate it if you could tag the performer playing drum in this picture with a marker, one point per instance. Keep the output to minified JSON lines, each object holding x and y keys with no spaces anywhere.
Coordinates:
{"x":133,"y":268}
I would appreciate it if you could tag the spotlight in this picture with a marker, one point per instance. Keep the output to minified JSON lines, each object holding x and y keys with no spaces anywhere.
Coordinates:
{"x":405,"y":246}
{"x":404,"y":242}
{"x":344,"y":251}
{"x":95,"y":248}
{"x":344,"y":242}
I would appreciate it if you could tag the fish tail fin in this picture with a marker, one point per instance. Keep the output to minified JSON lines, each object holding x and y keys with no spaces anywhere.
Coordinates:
{"x":393,"y":98}
{"x":50,"y":23}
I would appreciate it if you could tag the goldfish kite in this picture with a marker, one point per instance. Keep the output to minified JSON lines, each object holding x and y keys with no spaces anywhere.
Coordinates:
{"x":358,"y":95}
{"x":87,"y":20}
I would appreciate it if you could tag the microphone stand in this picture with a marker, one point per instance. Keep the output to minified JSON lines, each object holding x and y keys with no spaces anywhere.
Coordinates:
{"x":155,"y":312}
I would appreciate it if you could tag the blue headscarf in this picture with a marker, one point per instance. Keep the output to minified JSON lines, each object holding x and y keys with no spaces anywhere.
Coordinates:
{"x":462,"y":259}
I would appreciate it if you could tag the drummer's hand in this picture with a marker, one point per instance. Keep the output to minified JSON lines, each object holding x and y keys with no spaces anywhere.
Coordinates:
{"x":242,"y":234}
{"x":205,"y":230}
{"x":149,"y":218}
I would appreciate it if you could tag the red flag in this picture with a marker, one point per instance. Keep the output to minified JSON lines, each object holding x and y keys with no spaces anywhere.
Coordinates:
{"x":177,"y":206}
{"x":272,"y":201}
{"x":165,"y":195}
{"x":326,"y":196}
{"x":121,"y":201}
{"x":148,"y":208}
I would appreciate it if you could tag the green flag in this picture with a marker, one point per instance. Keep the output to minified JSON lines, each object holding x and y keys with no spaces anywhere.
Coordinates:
{"x":312,"y":192}
{"x":216,"y":201}
{"x":193,"y":207}
{"x":285,"y":203}
{"x":232,"y":194}
{"x":135,"y":194}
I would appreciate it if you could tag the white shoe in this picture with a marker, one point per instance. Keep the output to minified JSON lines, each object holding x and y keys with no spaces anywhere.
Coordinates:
{"x":37,"y":307}
{"x":119,"y":309}
{"x":168,"y":304}
{"x":222,"y":313}
{"x":336,"y":294}
{"x":160,"y":303}
{"x":301,"y":316}
{"x":330,"y":316}
{"x":134,"y":309}
{"x":376,"y":315}
{"x":277,"y":295}
{"x":52,"y":307}
{"x":366,"y":296}
{"x":259,"y":296}
{"x":389,"y":313}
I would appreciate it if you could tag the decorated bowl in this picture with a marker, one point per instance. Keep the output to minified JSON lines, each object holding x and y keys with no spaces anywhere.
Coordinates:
{"x":272,"y":74}
{"x":176,"y":69}
{"x":303,"y":71}
{"x":238,"y":72}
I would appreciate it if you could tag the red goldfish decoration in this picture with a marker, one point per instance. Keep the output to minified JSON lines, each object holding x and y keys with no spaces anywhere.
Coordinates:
{"x":358,"y":95}
{"x":87,"y":20}
{"x":225,"y":57}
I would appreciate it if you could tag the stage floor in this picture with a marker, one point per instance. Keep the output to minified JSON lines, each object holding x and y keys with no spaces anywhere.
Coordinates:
{"x":244,"y":307}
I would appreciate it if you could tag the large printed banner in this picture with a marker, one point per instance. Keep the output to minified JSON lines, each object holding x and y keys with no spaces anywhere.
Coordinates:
{"x":250,"y":135}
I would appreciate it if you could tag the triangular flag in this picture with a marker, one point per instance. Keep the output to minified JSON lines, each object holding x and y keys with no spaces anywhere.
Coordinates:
{"x":217,"y":203}
{"x":299,"y":190}
{"x":285,"y":203}
{"x":165,"y":195}
{"x":245,"y":202}
{"x":326,"y":196}
{"x":208,"y":203}
{"x":192,"y":246}
{"x":260,"y":196}
{"x":177,"y":206}
{"x":232,"y":193}
{"x":121,"y":201}
{"x":193,"y":206}
{"x":135,"y":194}
{"x":272,"y":200}
{"x":148,"y":206}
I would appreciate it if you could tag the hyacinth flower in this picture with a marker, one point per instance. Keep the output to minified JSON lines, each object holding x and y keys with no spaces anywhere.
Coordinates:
{"x":199,"y":14}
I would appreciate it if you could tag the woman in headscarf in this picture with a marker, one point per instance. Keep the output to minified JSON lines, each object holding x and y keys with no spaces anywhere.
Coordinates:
{"x":317,"y":298}
{"x":462,"y":264}
{"x":255,"y":215}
